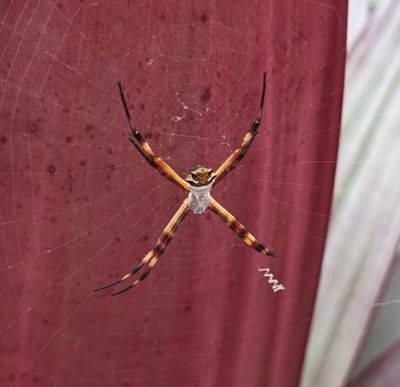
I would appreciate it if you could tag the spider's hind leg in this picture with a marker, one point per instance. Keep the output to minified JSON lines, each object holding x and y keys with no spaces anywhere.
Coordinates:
{"x":134,"y":270}
{"x":140,"y":278}
{"x":152,"y":257}
{"x":239,"y":229}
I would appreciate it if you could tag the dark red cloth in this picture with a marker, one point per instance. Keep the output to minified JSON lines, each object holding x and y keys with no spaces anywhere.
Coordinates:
{"x":79,"y":206}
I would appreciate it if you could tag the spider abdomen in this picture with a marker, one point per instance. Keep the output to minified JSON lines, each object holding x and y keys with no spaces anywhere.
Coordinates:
{"x":199,"y":198}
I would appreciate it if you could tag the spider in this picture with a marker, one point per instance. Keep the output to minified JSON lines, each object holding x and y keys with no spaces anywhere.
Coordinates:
{"x":197,"y":184}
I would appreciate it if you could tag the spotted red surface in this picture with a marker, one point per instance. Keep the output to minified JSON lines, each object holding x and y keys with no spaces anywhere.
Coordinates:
{"x":79,"y":205}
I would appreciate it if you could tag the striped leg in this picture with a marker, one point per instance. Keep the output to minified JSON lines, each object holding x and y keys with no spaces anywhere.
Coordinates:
{"x":231,"y":162}
{"x":151,"y":258}
{"x":145,"y":150}
{"x":238,"y":228}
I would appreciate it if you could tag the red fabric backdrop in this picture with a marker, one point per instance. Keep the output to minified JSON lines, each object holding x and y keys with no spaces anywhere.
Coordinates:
{"x":79,"y":205}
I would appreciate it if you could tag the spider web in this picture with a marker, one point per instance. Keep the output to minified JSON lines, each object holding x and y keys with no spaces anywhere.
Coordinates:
{"x":80,"y":206}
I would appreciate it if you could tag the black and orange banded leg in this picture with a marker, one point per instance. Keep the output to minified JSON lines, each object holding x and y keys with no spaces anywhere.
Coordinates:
{"x":145,"y":150}
{"x":151,"y":258}
{"x":238,"y":228}
{"x":237,"y":155}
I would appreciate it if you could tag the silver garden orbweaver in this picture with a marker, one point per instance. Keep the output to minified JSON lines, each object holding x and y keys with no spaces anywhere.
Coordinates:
{"x":197,"y":184}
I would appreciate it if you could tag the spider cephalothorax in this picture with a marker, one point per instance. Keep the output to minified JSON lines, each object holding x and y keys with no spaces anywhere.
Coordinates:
{"x":200,"y":176}
{"x":198,"y":185}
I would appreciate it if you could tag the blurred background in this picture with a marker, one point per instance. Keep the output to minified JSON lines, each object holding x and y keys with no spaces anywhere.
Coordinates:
{"x":78,"y":205}
{"x":355,"y":337}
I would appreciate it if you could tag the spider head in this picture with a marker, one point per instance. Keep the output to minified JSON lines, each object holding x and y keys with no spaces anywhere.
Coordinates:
{"x":200,"y":176}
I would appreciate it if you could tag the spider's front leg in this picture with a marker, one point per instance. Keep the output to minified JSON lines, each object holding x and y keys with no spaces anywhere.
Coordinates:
{"x":145,"y":150}
{"x":238,"y":228}
{"x":151,"y":258}
{"x":231,"y":162}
